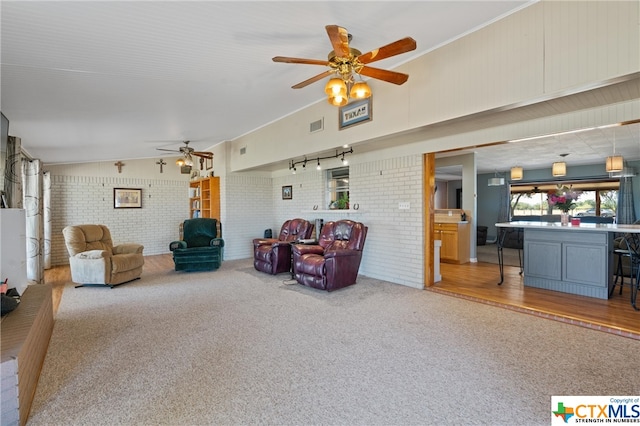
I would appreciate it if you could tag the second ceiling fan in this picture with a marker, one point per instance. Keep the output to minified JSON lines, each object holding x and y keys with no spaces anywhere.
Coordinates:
{"x":348,"y":63}
{"x":188,"y":153}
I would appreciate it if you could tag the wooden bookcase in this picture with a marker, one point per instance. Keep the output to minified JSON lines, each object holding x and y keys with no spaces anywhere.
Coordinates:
{"x":204,"y":198}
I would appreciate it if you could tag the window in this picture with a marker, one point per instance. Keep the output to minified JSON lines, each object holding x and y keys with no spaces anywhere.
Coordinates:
{"x":597,"y":198}
{"x":338,"y":188}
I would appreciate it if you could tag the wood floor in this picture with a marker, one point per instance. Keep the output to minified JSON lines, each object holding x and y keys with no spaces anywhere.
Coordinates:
{"x":477,"y":282}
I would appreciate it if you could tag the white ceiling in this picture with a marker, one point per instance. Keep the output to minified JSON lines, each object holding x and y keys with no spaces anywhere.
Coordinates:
{"x":114,"y":80}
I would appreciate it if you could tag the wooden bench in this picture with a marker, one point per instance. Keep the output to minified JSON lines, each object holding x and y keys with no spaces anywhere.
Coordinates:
{"x":26,"y":332}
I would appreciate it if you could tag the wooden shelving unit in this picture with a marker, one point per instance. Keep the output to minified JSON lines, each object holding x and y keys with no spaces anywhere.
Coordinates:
{"x":204,"y":199}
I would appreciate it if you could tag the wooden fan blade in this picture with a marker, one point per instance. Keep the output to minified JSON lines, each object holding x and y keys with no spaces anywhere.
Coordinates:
{"x":203,"y":154}
{"x":385,"y":75}
{"x":397,"y":47}
{"x":339,"y":40}
{"x":300,"y":61}
{"x":312,"y":80}
{"x":168,"y":150}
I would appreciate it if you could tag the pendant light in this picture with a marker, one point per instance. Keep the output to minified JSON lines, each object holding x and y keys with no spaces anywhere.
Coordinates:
{"x":516,"y":173}
{"x":495,"y":181}
{"x":614,"y":163}
{"x":559,"y":168}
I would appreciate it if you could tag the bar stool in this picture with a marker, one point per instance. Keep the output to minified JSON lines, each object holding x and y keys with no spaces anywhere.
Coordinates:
{"x":633,"y":246}
{"x":620,"y":255}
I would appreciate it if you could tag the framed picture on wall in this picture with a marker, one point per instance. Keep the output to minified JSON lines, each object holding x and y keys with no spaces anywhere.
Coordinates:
{"x":287,"y":192}
{"x":353,"y":113}
{"x":127,"y":198}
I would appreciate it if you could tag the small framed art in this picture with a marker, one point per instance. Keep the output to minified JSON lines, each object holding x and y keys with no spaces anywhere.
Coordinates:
{"x":287,"y":192}
{"x":127,"y":198}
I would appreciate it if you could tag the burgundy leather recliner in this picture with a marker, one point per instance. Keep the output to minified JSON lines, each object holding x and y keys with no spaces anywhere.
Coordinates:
{"x":273,"y":255}
{"x":334,"y":262}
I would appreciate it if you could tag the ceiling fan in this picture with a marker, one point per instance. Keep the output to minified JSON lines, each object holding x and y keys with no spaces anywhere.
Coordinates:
{"x":188,"y":154}
{"x":348,"y":63}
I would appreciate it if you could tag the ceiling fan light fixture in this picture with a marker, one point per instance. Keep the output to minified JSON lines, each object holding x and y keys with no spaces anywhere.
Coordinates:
{"x":615,"y":163}
{"x":336,"y":86}
{"x":360,"y":90}
{"x":339,"y":100}
{"x":180,"y":162}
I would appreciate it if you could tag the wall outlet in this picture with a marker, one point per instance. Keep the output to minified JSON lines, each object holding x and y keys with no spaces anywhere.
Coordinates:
{"x":404,"y":205}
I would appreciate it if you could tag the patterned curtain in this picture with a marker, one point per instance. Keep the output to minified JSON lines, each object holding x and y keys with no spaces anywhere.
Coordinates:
{"x":33,"y":205}
{"x":46,"y":197}
{"x":13,"y":173}
{"x":626,"y":213}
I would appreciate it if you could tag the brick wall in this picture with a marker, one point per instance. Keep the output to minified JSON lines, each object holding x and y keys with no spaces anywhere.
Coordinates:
{"x":251,"y":204}
{"x":82,"y":199}
{"x":247,"y":212}
{"x":393,"y":250}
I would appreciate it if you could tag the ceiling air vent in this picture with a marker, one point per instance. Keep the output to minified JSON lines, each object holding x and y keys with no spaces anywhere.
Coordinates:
{"x":243,"y":150}
{"x":316,"y":126}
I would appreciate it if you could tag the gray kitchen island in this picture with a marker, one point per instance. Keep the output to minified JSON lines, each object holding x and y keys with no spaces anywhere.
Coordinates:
{"x":575,"y":259}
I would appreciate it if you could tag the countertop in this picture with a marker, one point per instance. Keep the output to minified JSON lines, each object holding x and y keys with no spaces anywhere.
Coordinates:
{"x":600,"y":227}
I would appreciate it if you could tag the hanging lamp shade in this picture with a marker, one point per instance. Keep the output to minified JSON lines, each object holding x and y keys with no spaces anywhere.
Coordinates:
{"x":335,"y":86}
{"x":180,"y":162}
{"x":360,"y":90}
{"x":615,"y":163}
{"x":338,"y":100}
{"x":559,"y":169}
{"x":516,"y":173}
{"x":495,"y":181}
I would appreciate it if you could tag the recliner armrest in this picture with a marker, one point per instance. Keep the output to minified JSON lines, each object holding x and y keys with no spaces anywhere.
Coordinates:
{"x":341,"y":253}
{"x":177,"y":245}
{"x":128,"y":248}
{"x":216,"y":242}
{"x":92,"y":254}
{"x":301,"y":249}
{"x":264,"y":241}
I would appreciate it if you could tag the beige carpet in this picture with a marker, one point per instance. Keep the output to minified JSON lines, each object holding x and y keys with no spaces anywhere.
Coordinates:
{"x":239,"y":347}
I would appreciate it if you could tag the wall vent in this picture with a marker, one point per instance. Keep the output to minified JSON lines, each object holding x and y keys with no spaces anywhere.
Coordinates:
{"x":316,"y":126}
{"x":243,"y":150}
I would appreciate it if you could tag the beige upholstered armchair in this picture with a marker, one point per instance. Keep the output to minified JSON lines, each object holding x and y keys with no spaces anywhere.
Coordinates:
{"x":94,"y":260}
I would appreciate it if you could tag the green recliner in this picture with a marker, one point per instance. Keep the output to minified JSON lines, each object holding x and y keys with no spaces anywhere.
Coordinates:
{"x":200,"y":248}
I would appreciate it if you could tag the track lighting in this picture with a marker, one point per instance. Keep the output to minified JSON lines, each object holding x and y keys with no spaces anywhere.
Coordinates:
{"x":293,"y":164}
